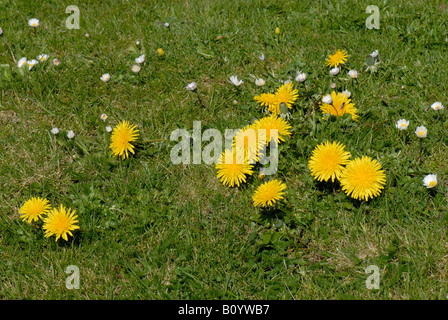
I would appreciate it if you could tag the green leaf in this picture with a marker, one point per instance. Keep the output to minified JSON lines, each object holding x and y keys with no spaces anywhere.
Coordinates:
{"x":5,"y":72}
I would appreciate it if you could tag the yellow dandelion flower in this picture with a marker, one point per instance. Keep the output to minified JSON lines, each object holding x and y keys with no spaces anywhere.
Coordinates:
{"x":340,"y":106}
{"x":251,"y":141}
{"x":285,"y":94}
{"x":232,"y":168}
{"x":34,"y":208}
{"x":267,"y":100}
{"x":327,"y":161}
{"x":160,"y":51}
{"x":60,"y":222}
{"x":268,"y":193}
{"x":363,"y":178}
{"x":274,"y":122}
{"x":122,"y":136}
{"x":336,"y":59}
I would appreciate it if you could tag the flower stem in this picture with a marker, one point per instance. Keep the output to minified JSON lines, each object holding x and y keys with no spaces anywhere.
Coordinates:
{"x":10,"y":50}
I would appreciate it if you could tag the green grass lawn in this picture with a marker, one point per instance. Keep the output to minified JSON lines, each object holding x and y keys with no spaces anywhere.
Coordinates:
{"x":150,"y":229}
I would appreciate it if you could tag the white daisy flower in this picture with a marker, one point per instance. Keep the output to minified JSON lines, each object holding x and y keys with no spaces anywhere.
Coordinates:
{"x":332,"y":85}
{"x":166,"y":25}
{"x":191,"y":86}
{"x":70,"y":134}
{"x":136,"y":68}
{"x":335,"y":71}
{"x":54,"y":130}
{"x":42,"y":57}
{"x":235,"y":81}
{"x":22,"y":62}
{"x":402,"y":124}
{"x":421,"y":132}
{"x":327,"y":99}
{"x":437,"y":106}
{"x":103,"y":117}
{"x":140,"y":59}
{"x":108,"y":128}
{"x":353,"y":74}
{"x":301,"y":77}
{"x":260,"y":82}
{"x":347,"y":93}
{"x":33,"y":22}
{"x":32,"y":63}
{"x":56,"y":62}
{"x":105,"y":77}
{"x":430,"y":181}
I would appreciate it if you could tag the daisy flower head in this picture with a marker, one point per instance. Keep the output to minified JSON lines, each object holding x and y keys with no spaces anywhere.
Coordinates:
{"x":353,"y":74}
{"x":362,"y":178}
{"x":327,"y":99}
{"x":22,"y":62}
{"x":105,"y":77}
{"x":70,"y":134}
{"x":60,"y":222}
{"x":286,"y":94}
{"x":232,"y":168}
{"x":103,"y":117}
{"x":421,"y":132}
{"x":33,"y":22}
{"x":234,"y":80}
{"x":347,"y":93}
{"x":402,"y":124}
{"x":31,"y":63}
{"x":54,"y":130}
{"x":337,"y":59}
{"x":109,"y":129}
{"x":56,"y":62}
{"x":276,"y":123}
{"x":335,"y":71}
{"x":140,"y":59}
{"x":136,"y":68}
{"x":166,"y":25}
{"x":122,"y":136}
{"x":430,"y":181}
{"x":43,"y":57}
{"x":328,"y":160}
{"x":191,"y":86}
{"x":260,"y":82}
{"x":34,"y":208}
{"x":301,"y":77}
{"x":268,"y":193}
{"x":339,"y":106}
{"x":437,"y":106}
